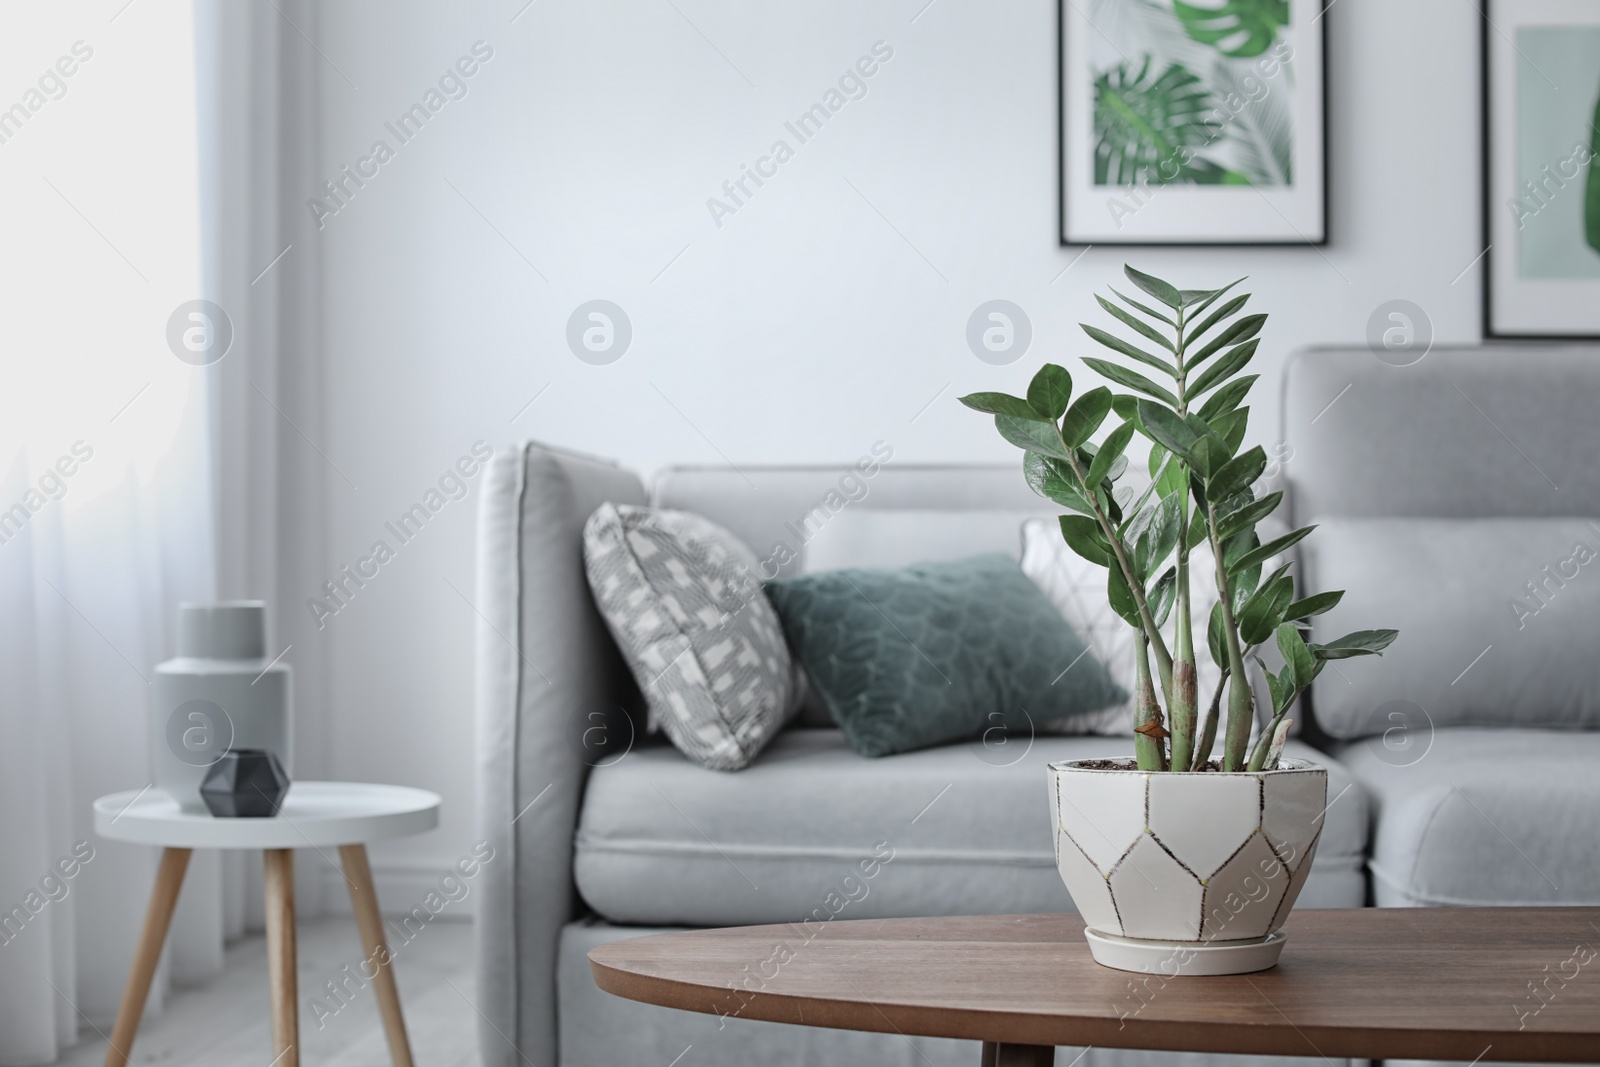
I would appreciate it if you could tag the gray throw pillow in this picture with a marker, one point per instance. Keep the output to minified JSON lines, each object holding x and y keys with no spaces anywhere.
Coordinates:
{"x":681,"y":597}
{"x":938,"y":652}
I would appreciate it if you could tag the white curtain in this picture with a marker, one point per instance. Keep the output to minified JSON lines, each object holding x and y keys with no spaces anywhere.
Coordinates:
{"x":157,"y":145}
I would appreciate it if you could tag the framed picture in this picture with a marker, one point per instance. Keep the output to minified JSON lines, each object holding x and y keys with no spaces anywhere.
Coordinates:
{"x":1541,"y":131}
{"x":1193,"y":122}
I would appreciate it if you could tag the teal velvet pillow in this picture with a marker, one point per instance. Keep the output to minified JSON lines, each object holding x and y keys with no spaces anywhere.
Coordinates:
{"x":938,"y":652}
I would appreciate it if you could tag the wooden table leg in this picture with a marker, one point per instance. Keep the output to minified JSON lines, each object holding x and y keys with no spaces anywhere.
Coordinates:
{"x":996,"y":1054}
{"x":364,"y":899}
{"x":157,"y":918}
{"x":281,"y":962}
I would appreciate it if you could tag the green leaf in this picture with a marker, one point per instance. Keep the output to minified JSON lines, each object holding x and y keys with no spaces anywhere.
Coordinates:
{"x":1360,"y":643}
{"x":1236,"y":474}
{"x":1209,"y":453}
{"x":1247,"y":516}
{"x":1166,"y":428}
{"x":1216,"y":641}
{"x":1172,"y":479}
{"x":1230,"y":426}
{"x":1162,"y":594}
{"x":1205,"y":299}
{"x":1000,"y":404}
{"x":1270,"y":549}
{"x":1217,"y":316}
{"x":1049,"y":391}
{"x":1138,"y":325}
{"x":1083,"y":536}
{"x":1053,"y":480}
{"x":1296,"y":655}
{"x":1132,"y":379}
{"x":1158,"y":539}
{"x":1117,"y":344}
{"x":1085,"y":416}
{"x":1236,"y":332}
{"x":1274,"y":685}
{"x":1126,"y":407}
{"x":1115,"y":444}
{"x":1163,"y":291}
{"x":1264,"y":610}
{"x":1236,"y":28}
{"x":1120,"y":597}
{"x":1031,"y":434}
{"x":1152,"y":312}
{"x":1224,"y":368}
{"x":1315,"y":604}
{"x":1227,"y":398}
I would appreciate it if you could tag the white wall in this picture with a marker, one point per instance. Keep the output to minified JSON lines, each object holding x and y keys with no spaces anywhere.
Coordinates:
{"x":805,"y":327}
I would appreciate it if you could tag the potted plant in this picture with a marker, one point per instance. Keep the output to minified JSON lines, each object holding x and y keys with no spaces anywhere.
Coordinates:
{"x":1187,"y":857}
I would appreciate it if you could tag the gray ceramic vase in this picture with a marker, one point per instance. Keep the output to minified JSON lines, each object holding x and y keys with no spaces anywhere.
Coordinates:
{"x":221,"y":692}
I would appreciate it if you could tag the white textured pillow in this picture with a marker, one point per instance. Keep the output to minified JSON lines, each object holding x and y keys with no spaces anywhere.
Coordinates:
{"x":682,"y":597}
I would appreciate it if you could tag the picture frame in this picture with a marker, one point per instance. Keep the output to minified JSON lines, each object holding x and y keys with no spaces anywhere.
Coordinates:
{"x":1541,"y":187}
{"x":1185,"y":122}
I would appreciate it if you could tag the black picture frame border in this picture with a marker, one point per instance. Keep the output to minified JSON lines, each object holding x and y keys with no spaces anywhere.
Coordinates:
{"x":1061,"y":178}
{"x":1486,"y":178}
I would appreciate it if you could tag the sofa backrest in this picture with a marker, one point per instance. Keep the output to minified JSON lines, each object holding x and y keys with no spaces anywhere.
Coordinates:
{"x":1456,"y":500}
{"x":1462,"y":433}
{"x":778,"y":511}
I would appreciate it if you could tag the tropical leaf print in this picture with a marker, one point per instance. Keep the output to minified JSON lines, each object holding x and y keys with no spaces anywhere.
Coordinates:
{"x":1238,"y":28}
{"x":1591,"y":189}
{"x":1153,"y":129}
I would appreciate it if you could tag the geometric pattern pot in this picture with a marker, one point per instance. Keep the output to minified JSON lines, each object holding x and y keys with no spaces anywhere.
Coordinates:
{"x":1195,"y":858}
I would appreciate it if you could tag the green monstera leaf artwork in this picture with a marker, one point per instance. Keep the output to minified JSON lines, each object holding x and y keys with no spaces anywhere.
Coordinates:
{"x":1152,"y":128}
{"x":1591,"y":189}
{"x":1238,"y":28}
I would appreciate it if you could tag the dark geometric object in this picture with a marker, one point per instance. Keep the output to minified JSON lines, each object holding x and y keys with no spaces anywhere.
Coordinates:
{"x":246,"y":783}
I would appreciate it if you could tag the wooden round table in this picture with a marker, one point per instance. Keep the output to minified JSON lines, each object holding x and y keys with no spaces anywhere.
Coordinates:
{"x":316,"y":815}
{"x":1369,"y":983}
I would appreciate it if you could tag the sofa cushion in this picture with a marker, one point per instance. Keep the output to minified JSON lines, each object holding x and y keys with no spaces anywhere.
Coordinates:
{"x":1482,"y":816}
{"x":963,"y":829}
{"x":681,"y":597}
{"x":937,"y":652}
{"x":1497,"y":619}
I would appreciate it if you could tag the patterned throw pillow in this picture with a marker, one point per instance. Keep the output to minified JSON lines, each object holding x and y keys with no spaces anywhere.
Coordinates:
{"x":937,"y":652}
{"x":681,"y":597}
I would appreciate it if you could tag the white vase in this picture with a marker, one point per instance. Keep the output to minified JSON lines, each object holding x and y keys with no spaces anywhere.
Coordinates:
{"x":1185,"y":873}
{"x":221,"y":692}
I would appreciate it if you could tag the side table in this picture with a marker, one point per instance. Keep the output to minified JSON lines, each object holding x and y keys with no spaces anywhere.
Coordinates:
{"x":313,"y":815}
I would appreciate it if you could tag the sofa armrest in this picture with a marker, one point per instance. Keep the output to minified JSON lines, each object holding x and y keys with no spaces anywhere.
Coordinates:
{"x":544,"y":664}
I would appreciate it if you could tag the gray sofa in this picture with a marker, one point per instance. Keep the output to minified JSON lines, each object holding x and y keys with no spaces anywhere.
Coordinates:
{"x":602,"y":832}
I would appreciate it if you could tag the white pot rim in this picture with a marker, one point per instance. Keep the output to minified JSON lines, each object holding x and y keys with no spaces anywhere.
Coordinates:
{"x":1285,"y":766}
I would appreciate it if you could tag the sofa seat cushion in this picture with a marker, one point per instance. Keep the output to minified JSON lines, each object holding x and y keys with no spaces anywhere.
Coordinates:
{"x":1482,"y":816}
{"x":811,"y":830}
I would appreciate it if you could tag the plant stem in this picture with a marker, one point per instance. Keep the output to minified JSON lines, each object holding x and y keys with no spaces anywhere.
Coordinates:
{"x":1147,"y":750}
{"x":1182,"y":700}
{"x":1241,"y":704}
{"x":1208,"y":736}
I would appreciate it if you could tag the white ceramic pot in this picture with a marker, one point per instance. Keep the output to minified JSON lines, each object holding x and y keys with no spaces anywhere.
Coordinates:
{"x":1190,"y":873}
{"x":221,"y":692}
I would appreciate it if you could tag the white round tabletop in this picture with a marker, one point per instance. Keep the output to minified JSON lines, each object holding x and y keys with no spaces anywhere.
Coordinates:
{"x":313,"y":814}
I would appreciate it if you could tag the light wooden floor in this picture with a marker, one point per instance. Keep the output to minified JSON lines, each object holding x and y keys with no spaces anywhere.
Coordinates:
{"x":224,"y":1023}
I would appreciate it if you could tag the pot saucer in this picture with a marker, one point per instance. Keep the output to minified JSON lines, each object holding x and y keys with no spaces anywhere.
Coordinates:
{"x":1172,"y":958}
